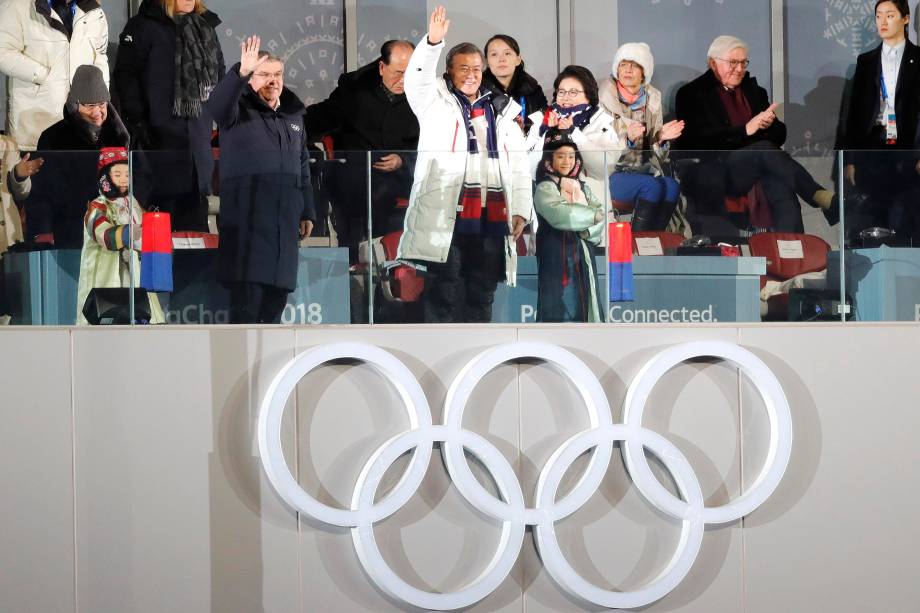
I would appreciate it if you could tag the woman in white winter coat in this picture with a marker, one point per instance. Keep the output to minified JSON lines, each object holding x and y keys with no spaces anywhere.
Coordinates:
{"x":40,"y":49}
{"x":576,"y":112}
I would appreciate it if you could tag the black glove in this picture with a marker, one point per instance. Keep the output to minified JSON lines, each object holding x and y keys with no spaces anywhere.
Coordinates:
{"x":141,"y":136}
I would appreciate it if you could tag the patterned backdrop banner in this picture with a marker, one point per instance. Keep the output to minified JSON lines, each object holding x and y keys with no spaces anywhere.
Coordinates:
{"x":823,"y":39}
{"x":383,"y":20}
{"x":309,"y":35}
{"x":680,"y":32}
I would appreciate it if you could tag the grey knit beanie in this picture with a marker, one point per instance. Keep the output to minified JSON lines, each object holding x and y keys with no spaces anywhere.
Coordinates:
{"x":88,"y":86}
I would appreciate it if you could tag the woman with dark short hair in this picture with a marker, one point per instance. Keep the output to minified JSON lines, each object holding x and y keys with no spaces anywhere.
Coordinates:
{"x":506,"y":73}
{"x":577,"y":113}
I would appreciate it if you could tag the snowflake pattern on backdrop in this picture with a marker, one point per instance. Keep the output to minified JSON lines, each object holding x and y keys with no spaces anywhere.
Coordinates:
{"x":850,"y":24}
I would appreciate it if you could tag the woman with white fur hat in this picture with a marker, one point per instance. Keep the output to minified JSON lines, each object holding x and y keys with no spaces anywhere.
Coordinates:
{"x":636,"y":108}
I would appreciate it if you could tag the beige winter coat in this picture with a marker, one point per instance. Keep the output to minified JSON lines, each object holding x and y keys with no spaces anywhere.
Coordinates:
{"x":633,"y":160}
{"x":10,"y":191}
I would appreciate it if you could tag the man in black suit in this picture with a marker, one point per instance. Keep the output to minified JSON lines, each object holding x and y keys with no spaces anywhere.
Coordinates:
{"x":368,"y":112}
{"x":728,"y":115}
{"x":881,"y":128}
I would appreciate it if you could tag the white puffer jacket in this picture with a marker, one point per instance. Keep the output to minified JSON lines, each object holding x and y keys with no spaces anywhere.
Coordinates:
{"x":40,"y":60}
{"x":598,"y":143}
{"x":441,"y":164}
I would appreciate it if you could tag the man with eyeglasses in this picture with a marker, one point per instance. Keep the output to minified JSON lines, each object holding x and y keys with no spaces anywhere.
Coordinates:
{"x":732,"y":127}
{"x":471,"y":196}
{"x":266,"y":198}
{"x":70,"y":152}
{"x":42,"y":42}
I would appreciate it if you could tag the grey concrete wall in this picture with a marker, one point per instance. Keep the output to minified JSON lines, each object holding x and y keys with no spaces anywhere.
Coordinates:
{"x":132,"y":480}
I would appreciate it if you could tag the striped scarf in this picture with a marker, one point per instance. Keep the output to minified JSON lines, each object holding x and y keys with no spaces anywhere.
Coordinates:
{"x":482,"y":208}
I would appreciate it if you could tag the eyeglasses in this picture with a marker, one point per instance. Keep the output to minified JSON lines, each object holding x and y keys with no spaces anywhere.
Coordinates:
{"x":736,"y":64}
{"x":269,"y":75}
{"x":566,"y":93}
{"x":95,"y":106}
{"x":465,"y":70}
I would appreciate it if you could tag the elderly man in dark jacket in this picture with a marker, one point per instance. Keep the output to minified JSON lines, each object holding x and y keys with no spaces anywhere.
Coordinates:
{"x":727,"y":114}
{"x":70,"y":150}
{"x":265,"y":189}
{"x":368,"y":111}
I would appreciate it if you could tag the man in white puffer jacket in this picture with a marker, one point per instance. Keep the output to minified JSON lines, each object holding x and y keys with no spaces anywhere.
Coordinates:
{"x":42,"y":42}
{"x":472,"y":195}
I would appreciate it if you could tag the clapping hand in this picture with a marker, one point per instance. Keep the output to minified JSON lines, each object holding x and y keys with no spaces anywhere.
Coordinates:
{"x":249,"y":56}
{"x":671,"y":130}
{"x":438,"y":25}
{"x":27,"y":167}
{"x":761,"y":121}
{"x":635,"y":131}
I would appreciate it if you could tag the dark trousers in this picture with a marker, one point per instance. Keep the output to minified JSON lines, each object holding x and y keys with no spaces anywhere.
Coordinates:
{"x":348,"y":191}
{"x":462,"y":289}
{"x":782,"y":178}
{"x":176,"y":189}
{"x":256,"y":303}
{"x":886,"y":191}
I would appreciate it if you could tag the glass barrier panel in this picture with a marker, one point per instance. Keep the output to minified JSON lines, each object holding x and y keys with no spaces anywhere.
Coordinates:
{"x":397,"y":280}
{"x":461,"y":247}
{"x":241,"y":247}
{"x":731,"y":236}
{"x":359,"y":265}
{"x":880,"y":271}
{"x":66,"y":258}
{"x":767,"y":217}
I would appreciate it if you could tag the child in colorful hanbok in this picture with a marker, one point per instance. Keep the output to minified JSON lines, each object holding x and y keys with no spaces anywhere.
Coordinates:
{"x":110,"y":243}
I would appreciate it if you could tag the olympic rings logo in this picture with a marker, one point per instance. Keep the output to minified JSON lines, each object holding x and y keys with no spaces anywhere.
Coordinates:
{"x":511,"y":511}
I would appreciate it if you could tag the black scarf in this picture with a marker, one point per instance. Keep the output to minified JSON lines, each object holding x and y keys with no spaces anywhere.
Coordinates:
{"x":196,"y":64}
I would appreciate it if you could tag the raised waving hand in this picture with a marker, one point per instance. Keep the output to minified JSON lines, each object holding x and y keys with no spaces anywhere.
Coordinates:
{"x":249,"y":56}
{"x":438,"y":25}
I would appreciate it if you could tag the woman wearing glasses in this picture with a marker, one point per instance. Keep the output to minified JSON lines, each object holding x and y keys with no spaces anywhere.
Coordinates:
{"x":731,"y":126}
{"x":636,"y":108}
{"x":576,"y":112}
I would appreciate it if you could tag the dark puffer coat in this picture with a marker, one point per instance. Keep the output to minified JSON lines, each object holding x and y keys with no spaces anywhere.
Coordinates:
{"x":523,"y":89}
{"x":362,"y":117}
{"x":68,"y":179}
{"x":144,"y":83}
{"x":265,"y":188}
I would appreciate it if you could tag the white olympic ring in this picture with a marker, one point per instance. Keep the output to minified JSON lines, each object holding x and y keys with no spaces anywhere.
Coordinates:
{"x":689,"y":509}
